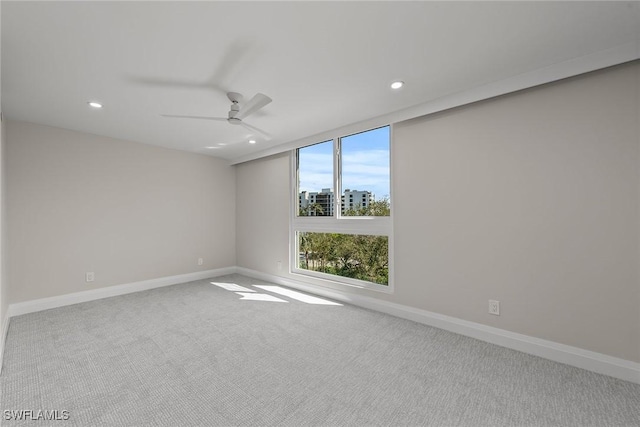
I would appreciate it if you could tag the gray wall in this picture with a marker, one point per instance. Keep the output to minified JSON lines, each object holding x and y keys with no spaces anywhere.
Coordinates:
{"x":4,"y":282}
{"x":263,"y":213}
{"x":126,"y":211}
{"x":531,"y":199}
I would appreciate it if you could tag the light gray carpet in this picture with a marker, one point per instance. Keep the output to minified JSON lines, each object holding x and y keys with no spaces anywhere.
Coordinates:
{"x":197,"y":354}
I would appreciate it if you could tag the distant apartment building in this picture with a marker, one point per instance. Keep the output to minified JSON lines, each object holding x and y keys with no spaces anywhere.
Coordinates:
{"x":322,"y":203}
{"x":316,"y":203}
{"x":354,"y":199}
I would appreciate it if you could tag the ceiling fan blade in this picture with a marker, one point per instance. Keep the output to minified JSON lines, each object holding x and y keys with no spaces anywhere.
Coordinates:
{"x":217,"y":119}
{"x":237,"y":56}
{"x":175,"y":84}
{"x":260,"y":132}
{"x":254,"y":104}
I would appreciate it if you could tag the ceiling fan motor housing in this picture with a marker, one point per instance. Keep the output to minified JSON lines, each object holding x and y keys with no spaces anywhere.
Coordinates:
{"x":235,"y":109}
{"x":234,"y":97}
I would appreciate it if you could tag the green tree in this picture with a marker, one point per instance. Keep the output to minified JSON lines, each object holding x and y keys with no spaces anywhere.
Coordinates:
{"x":314,"y":208}
{"x":363,"y":257}
{"x":380,"y":207}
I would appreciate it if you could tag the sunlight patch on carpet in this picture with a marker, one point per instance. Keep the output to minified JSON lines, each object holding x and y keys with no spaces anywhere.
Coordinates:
{"x":299,"y":296}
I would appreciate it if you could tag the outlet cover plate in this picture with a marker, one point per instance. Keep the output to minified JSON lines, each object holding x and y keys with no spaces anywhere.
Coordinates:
{"x":494,"y":307}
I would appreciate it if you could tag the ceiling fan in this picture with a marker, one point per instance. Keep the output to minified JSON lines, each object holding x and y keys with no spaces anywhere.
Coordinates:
{"x":236,"y":115}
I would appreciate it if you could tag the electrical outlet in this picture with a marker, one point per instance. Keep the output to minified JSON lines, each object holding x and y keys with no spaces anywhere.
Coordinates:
{"x":279,"y":265}
{"x":200,"y":261}
{"x":494,"y":307}
{"x":89,"y":276}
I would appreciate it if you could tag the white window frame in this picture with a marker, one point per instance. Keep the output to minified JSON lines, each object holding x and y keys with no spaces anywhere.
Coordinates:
{"x":363,"y":225}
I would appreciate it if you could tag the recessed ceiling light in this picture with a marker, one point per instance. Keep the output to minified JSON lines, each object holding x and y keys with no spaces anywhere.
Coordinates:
{"x":252,"y":141}
{"x":211,"y":148}
{"x":221,"y":144}
{"x":94,"y":104}
{"x":397,"y":85}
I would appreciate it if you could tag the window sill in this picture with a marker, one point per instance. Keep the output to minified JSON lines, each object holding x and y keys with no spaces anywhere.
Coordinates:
{"x":324,"y":279}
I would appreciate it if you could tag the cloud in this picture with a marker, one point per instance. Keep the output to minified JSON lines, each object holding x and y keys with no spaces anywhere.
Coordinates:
{"x":367,"y":170}
{"x":361,"y":170}
{"x":316,"y":171}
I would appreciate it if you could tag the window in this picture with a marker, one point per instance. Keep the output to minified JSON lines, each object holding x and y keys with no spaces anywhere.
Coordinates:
{"x":365,"y":172}
{"x":344,"y":237}
{"x":315,"y":180}
{"x":361,"y":257}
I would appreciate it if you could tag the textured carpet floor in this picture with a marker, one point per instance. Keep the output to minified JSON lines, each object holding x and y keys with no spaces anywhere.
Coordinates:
{"x":200,"y":354}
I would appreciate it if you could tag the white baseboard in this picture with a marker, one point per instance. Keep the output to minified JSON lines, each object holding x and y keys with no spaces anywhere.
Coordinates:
{"x":4,"y":329}
{"x":111,"y":291}
{"x":574,"y":356}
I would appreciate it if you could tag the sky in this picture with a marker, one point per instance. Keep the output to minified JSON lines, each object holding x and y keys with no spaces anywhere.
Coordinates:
{"x":365,"y":164}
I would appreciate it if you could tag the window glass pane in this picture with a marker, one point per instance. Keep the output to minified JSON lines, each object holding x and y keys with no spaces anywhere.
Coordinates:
{"x":362,"y":257}
{"x":366,"y":184}
{"x":315,"y":180}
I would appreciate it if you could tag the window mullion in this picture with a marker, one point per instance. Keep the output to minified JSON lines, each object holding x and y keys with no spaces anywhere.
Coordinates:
{"x":337,"y":178}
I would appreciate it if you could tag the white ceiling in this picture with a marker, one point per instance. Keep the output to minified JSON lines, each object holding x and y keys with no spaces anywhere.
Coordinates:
{"x":325,"y":64}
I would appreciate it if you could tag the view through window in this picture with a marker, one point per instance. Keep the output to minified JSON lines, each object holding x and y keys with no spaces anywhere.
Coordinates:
{"x":361,"y":257}
{"x":315,"y":174}
{"x":344,"y":233}
{"x":365,"y":176}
